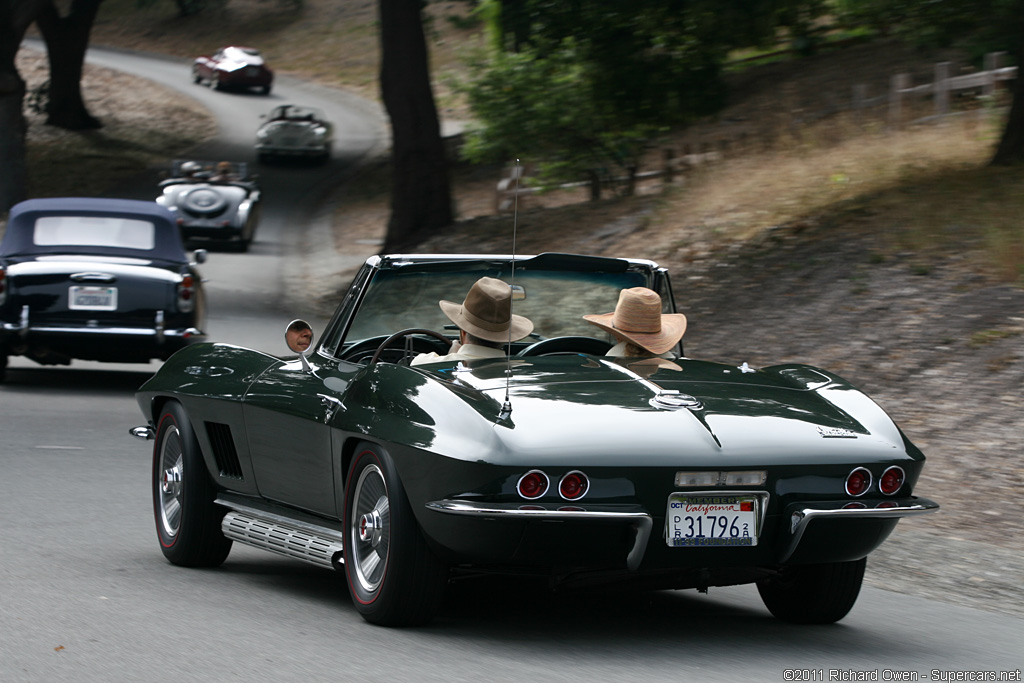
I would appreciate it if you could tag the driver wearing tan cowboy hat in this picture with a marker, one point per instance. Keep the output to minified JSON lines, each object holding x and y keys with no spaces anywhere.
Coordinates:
{"x":640,"y":327}
{"x":485,"y":321}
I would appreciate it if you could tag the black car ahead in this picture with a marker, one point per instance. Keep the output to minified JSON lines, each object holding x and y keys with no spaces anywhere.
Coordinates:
{"x":96,"y":279}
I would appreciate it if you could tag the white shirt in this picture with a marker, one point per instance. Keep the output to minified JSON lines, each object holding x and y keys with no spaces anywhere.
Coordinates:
{"x":460,"y":352}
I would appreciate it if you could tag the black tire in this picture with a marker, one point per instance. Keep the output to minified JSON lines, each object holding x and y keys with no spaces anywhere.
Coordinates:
{"x":187,"y":521}
{"x":265,"y":89}
{"x":215,"y":81}
{"x":196,"y":78}
{"x":813,"y":593}
{"x":393,"y":577}
{"x":3,"y":366}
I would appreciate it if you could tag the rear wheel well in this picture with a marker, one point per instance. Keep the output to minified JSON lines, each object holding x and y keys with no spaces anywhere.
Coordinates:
{"x":348,"y":451}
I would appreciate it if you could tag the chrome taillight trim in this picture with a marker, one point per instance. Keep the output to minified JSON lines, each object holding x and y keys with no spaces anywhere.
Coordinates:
{"x":586,"y":488}
{"x":547,"y":485}
{"x":903,"y":480}
{"x":846,"y":482}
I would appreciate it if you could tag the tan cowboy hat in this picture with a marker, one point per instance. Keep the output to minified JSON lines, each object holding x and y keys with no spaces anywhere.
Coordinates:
{"x":486,"y":312}
{"x":638,"y":319}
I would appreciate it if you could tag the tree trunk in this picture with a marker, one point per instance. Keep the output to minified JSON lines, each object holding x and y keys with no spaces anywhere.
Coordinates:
{"x":67,"y":39}
{"x":1011,"y":146}
{"x":421,"y":195}
{"x":15,"y":18}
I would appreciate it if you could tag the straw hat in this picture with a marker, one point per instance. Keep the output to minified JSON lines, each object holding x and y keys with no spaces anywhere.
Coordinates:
{"x":487,"y":312}
{"x":638,"y":319}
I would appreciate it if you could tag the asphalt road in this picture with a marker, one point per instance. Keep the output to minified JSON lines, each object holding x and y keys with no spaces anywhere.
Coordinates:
{"x":86,"y":595}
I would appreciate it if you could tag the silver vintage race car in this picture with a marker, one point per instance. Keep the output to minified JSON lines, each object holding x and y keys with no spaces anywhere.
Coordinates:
{"x":215,"y":201}
{"x":294,"y":131}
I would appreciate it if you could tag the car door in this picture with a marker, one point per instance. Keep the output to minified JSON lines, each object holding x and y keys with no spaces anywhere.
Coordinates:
{"x":289,"y":413}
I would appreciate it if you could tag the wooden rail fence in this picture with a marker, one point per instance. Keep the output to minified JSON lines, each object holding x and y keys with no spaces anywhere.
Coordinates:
{"x":898,"y":98}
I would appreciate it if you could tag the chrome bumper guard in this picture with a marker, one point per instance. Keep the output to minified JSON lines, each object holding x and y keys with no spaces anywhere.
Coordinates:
{"x":800,"y":519}
{"x":640,"y":520}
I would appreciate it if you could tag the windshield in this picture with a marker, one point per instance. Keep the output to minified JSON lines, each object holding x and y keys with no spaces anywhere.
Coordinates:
{"x":555,"y":301}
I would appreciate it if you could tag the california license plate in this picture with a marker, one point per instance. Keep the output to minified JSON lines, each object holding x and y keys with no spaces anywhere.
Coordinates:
{"x":709,"y":520}
{"x":82,"y":298}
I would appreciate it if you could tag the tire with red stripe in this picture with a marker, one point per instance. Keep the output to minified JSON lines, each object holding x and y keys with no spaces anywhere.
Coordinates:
{"x":187,"y":520}
{"x":393,"y":577}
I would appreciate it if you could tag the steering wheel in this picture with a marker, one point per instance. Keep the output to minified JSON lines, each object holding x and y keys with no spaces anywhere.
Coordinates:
{"x":365,"y":350}
{"x":566,"y":345}
{"x":409,"y":333}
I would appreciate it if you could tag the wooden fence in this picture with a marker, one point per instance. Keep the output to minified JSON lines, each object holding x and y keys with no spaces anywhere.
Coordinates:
{"x":898,"y":101}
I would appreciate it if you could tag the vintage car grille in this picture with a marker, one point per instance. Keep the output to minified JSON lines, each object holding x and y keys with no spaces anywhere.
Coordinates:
{"x":224,"y":452}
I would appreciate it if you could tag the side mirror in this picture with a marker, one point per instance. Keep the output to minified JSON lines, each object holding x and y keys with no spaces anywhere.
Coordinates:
{"x":298,"y":336}
{"x":199,"y":255}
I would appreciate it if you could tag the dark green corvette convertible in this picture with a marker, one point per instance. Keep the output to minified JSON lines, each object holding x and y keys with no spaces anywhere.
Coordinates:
{"x":554,"y":460}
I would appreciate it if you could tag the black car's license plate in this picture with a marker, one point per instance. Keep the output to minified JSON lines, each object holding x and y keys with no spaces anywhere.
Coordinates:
{"x":695,"y":521}
{"x":81,"y":298}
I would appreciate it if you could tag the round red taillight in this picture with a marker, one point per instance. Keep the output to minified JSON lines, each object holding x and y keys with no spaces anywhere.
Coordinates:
{"x":533,"y":484}
{"x":573,"y":485}
{"x":858,"y":482}
{"x":891,"y":481}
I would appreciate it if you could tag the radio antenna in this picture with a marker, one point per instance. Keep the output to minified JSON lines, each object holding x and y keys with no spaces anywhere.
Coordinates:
{"x":506,"y":408}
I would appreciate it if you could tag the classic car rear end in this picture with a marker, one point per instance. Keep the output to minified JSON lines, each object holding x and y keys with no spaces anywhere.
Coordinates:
{"x":95,"y":279}
{"x":556,"y":460}
{"x":224,"y":209}
{"x":234,"y":67}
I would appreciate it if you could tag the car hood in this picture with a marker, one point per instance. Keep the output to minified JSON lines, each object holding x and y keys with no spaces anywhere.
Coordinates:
{"x":565,"y":407}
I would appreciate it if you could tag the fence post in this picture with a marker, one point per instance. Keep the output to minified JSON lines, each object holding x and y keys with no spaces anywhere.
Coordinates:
{"x":898,"y":83}
{"x":992,"y":61}
{"x":941,"y":88}
{"x":505,"y":196}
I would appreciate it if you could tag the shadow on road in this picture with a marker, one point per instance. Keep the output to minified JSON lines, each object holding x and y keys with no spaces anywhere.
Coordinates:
{"x":74,"y":381}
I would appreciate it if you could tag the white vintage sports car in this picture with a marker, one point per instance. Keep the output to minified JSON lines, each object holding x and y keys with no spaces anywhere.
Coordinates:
{"x":213,"y":201}
{"x":294,"y":131}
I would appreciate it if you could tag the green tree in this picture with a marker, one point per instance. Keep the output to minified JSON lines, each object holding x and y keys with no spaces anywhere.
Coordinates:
{"x":421,"y":191}
{"x":67,"y":38}
{"x":15,"y":18}
{"x":589,"y":84}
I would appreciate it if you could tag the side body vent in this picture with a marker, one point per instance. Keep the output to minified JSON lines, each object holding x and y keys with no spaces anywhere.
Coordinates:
{"x":224,"y":450}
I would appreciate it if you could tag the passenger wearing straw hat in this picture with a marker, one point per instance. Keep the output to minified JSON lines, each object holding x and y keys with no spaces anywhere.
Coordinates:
{"x":640,"y":327}
{"x":485,"y":321}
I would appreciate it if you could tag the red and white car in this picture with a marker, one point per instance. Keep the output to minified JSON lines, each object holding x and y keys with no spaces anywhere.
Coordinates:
{"x":233,"y":68}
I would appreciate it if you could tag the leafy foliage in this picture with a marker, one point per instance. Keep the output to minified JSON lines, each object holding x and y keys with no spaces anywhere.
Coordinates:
{"x":587,"y":85}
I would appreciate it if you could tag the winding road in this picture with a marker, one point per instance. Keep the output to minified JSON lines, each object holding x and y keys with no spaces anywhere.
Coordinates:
{"x":85,"y":594}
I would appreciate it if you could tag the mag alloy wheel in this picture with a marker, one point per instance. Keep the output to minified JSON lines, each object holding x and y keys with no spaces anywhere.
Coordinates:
{"x":371,"y":533}
{"x":393,"y":577}
{"x":169,"y":484}
{"x":187,"y":519}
